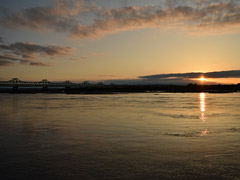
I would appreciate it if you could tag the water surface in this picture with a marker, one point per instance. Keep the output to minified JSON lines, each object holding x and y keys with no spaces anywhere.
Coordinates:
{"x":121,"y":136}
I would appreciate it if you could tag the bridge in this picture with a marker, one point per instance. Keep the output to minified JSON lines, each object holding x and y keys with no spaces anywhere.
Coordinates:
{"x":15,"y":83}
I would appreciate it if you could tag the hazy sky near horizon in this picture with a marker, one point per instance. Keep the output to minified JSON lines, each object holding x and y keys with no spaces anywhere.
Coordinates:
{"x":117,"y":39}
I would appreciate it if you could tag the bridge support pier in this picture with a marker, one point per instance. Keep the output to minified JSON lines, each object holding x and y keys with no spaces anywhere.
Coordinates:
{"x":44,"y":88}
{"x":67,"y":87}
{"x":15,"y":88}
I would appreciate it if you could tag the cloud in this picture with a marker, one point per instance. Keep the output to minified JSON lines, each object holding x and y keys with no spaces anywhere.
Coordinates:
{"x":85,"y":58}
{"x":176,"y":78}
{"x":177,"y":81}
{"x":81,"y":59}
{"x":7,"y":60}
{"x":38,"y":63}
{"x":212,"y":16}
{"x":5,"y":63}
{"x":58,"y":17}
{"x":1,"y":40}
{"x":98,"y":54}
{"x":28,"y":53}
{"x":192,"y":75}
{"x":68,"y":16}
{"x":28,"y":49}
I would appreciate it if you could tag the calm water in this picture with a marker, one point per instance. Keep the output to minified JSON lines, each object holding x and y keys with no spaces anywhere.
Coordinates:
{"x":126,"y":136}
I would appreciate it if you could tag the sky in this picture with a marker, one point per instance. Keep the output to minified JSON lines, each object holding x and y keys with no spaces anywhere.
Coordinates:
{"x":120,"y":41}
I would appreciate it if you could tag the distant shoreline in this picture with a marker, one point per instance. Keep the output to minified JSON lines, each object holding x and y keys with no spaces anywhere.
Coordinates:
{"x":117,"y":89}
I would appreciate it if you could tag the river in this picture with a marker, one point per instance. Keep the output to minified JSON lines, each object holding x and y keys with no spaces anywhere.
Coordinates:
{"x":120,"y":136}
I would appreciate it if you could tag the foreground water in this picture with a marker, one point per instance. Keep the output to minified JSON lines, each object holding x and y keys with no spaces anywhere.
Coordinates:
{"x":122,"y":136}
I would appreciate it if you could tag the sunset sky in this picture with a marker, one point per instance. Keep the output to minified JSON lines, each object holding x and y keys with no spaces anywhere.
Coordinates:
{"x":125,"y":41}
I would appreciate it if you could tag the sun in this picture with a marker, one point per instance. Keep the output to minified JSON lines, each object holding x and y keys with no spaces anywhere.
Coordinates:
{"x":202,"y":79}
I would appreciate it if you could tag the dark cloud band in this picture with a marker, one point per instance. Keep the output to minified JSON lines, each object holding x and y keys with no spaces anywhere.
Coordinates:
{"x":217,"y":74}
{"x":10,"y":60}
{"x":5,"y":63}
{"x":28,"y":53}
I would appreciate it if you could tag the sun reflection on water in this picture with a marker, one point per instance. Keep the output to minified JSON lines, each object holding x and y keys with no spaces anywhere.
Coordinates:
{"x":202,"y":106}
{"x":203,"y":133}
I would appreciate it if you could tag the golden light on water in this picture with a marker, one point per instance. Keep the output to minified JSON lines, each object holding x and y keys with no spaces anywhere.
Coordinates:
{"x":202,"y":102}
{"x":203,"y":133}
{"x":202,"y":106}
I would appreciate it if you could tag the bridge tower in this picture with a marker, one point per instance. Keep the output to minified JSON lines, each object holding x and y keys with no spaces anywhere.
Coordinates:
{"x":15,"y":82}
{"x":67,"y":84}
{"x":44,"y":84}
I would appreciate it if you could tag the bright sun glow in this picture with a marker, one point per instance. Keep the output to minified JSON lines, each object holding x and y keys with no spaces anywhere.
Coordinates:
{"x":202,"y":79}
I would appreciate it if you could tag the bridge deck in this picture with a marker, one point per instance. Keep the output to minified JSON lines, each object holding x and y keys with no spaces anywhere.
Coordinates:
{"x":39,"y":84}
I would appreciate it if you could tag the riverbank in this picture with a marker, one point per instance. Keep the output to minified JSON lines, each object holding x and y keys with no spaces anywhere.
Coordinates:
{"x":112,"y":89}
